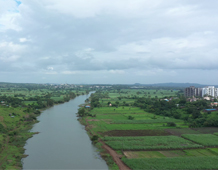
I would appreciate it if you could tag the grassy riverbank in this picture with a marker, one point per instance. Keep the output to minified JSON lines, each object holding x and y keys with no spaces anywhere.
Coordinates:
{"x":19,"y":107}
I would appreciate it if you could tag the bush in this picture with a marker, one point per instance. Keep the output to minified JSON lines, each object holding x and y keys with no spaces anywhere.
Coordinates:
{"x":130,"y":117}
{"x":94,"y":138}
{"x":171,"y":124}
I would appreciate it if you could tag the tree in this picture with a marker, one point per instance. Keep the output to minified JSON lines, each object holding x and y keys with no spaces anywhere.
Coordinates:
{"x":130,"y":117}
{"x":81,"y":112}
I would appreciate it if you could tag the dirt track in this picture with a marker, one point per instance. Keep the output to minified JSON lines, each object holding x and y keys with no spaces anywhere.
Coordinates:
{"x":115,"y":156}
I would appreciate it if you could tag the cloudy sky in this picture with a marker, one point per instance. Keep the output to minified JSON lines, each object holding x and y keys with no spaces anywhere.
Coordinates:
{"x":109,"y":41}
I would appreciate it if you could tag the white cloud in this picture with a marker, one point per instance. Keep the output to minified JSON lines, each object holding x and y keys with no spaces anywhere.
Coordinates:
{"x":117,"y":71}
{"x":22,"y":40}
{"x":110,"y":40}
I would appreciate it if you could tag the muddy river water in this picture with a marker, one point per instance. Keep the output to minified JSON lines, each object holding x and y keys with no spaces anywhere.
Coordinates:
{"x":62,"y":142}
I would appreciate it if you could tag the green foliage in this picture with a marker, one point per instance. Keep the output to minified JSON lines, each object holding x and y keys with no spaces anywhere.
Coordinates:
{"x":94,"y":138}
{"x":147,"y":121}
{"x":37,"y":112}
{"x":82,"y":112}
{"x":149,"y":142}
{"x":171,"y":124}
{"x":130,"y":117}
{"x":2,"y":128}
{"x":173,"y":163}
{"x":203,"y":139}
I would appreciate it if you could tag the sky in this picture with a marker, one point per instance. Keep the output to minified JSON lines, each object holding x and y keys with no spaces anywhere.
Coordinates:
{"x":108,"y":41}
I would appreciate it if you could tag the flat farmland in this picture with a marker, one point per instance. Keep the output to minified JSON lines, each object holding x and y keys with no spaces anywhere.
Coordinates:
{"x":203,"y":139}
{"x":155,"y":140}
{"x":171,"y":153}
{"x":119,"y":110}
{"x":182,"y":163}
{"x":149,"y":143}
{"x":103,"y":126}
{"x":136,"y":133}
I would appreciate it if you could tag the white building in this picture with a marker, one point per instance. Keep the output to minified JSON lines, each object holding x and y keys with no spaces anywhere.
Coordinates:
{"x":210,"y":91}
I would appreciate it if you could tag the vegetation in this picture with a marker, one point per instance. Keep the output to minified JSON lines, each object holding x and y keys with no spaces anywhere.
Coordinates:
{"x":203,"y":139}
{"x":20,"y":104}
{"x":173,"y":163}
{"x":160,"y":117}
{"x":149,"y":143}
{"x":144,"y":123}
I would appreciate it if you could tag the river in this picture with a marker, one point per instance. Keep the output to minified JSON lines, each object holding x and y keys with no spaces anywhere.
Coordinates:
{"x":62,"y":142}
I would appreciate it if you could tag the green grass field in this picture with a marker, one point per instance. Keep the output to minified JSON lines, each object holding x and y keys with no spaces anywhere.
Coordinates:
{"x":182,"y":163}
{"x":171,"y":153}
{"x":149,"y":143}
{"x":203,"y":139}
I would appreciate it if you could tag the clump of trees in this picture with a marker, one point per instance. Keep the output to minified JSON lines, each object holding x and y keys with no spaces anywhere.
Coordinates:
{"x":179,"y":108}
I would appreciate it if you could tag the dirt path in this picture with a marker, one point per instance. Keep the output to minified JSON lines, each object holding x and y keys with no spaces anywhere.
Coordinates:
{"x":2,"y":121}
{"x":115,"y":156}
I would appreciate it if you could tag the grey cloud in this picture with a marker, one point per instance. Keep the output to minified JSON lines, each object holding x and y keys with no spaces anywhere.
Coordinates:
{"x":167,"y":35}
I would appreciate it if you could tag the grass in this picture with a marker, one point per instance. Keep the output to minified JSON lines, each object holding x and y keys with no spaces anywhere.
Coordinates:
{"x":182,"y":163}
{"x":103,"y":126}
{"x":203,"y":139}
{"x":119,"y":110}
{"x":148,"y":121}
{"x":149,"y":143}
{"x":171,"y":153}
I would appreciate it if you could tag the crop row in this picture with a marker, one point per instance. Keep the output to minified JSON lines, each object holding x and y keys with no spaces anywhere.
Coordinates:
{"x":149,"y":143}
{"x":145,"y":121}
{"x":203,"y":139}
{"x":173,"y":163}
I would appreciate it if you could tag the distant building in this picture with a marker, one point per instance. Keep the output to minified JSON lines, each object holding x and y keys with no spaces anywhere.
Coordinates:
{"x":190,"y":91}
{"x":202,"y":92}
{"x":209,"y":91}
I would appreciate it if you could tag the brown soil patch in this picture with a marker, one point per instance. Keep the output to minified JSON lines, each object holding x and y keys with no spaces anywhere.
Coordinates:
{"x":2,"y":121}
{"x":203,"y":130}
{"x":130,"y":154}
{"x":93,"y":120}
{"x":137,"y":133}
{"x":206,"y":130}
{"x":116,"y":157}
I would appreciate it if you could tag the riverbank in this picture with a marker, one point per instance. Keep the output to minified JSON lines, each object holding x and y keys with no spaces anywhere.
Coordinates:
{"x":15,"y":133}
{"x":109,"y":155}
{"x":15,"y":126}
{"x":62,"y":142}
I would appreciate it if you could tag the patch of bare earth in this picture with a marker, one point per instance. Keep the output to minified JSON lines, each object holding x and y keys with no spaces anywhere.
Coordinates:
{"x":130,"y":154}
{"x":93,"y":120}
{"x":116,"y":157}
{"x":2,"y":121}
{"x":137,"y":133}
{"x":203,"y":130}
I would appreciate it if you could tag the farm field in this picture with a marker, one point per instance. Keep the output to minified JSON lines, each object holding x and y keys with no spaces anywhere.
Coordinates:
{"x":149,"y":143}
{"x":173,"y":163}
{"x":137,"y":133}
{"x":203,"y":139}
{"x":142,"y":138}
{"x":171,"y":153}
